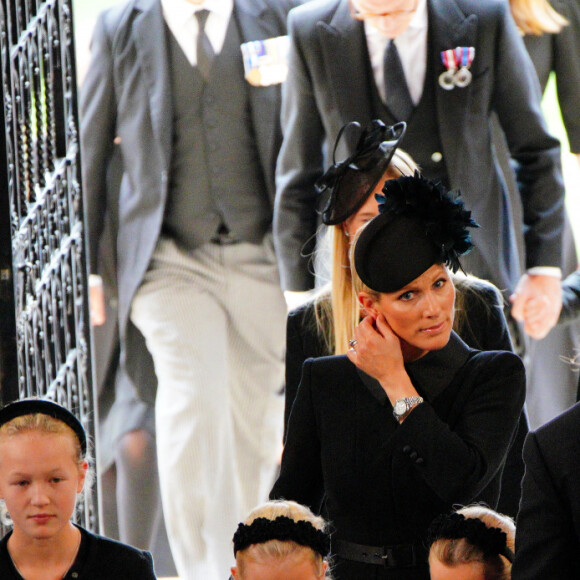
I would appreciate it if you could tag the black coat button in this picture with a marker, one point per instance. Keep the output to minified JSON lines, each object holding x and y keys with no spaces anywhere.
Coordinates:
{"x":407,"y":449}
{"x":419,"y":460}
{"x":413,"y":455}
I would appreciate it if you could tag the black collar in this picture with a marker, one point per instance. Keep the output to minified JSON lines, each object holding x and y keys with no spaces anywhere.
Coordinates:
{"x":430,"y":374}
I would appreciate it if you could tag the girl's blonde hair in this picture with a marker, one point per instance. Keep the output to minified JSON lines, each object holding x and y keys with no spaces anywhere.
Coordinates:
{"x":536,"y":17}
{"x":336,"y":307}
{"x":452,"y":552}
{"x":278,"y":549}
{"x":41,"y":423}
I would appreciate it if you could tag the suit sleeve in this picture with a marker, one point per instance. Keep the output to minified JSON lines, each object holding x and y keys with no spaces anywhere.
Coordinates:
{"x":570,"y":298}
{"x":300,"y":164}
{"x":301,"y":470}
{"x":544,"y":529}
{"x":98,"y":121}
{"x":536,"y":154}
{"x":566,"y":64}
{"x":459,"y":462}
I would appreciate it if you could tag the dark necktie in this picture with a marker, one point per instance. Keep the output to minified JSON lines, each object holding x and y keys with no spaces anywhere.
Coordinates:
{"x":398,"y":98}
{"x":205,"y":53}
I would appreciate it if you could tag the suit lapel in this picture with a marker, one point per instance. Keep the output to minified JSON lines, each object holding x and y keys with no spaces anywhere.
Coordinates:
{"x":449,"y":28}
{"x":344,"y":48}
{"x":149,"y":37}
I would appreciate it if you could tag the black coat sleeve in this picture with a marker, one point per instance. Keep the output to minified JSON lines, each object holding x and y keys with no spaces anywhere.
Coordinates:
{"x":301,"y":471}
{"x":463,"y":451}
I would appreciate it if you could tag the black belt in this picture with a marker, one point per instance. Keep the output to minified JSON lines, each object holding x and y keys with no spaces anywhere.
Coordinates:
{"x":396,"y":556}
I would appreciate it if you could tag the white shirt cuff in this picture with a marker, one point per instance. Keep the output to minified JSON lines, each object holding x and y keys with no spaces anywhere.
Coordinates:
{"x":545,"y":271}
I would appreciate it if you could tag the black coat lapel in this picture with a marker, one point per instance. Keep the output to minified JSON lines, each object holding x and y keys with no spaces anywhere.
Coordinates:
{"x":449,"y":27}
{"x":346,"y":59}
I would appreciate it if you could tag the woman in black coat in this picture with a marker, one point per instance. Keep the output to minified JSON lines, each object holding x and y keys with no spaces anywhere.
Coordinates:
{"x":323,"y":326}
{"x":43,"y":466}
{"x":411,"y":421}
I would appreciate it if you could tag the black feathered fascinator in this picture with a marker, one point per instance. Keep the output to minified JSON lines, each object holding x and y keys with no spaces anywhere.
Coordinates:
{"x":350,"y":182}
{"x":491,"y":541}
{"x":420,"y":224}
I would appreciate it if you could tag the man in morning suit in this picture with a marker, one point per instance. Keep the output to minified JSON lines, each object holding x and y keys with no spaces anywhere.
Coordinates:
{"x":355,"y":60}
{"x":548,"y":524}
{"x":197,"y":276}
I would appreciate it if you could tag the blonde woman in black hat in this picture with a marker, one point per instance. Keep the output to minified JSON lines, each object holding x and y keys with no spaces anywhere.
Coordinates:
{"x":43,"y":467}
{"x":324,"y":325}
{"x":411,"y":421}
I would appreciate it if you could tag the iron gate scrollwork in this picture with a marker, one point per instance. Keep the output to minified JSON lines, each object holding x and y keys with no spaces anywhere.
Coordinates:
{"x":42,"y":203}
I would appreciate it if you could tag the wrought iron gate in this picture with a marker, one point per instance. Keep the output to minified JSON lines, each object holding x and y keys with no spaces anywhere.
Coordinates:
{"x":43,"y":273}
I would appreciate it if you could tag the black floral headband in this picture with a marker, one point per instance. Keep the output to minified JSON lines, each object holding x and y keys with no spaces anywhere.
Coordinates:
{"x":491,"y":541}
{"x":282,"y":528}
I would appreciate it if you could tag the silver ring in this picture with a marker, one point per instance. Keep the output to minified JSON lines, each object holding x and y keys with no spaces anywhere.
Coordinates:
{"x":352,"y":342}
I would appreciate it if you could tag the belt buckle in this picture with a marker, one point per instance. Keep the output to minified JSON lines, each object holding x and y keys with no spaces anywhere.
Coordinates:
{"x":401,"y":556}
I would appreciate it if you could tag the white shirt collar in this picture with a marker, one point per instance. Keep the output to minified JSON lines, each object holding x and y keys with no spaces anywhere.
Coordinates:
{"x":177,"y":12}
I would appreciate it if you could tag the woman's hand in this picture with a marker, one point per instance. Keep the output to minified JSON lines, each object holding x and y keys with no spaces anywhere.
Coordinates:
{"x":377,"y":352}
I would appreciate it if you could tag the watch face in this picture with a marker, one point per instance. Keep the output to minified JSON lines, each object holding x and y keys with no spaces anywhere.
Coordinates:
{"x":400,"y":408}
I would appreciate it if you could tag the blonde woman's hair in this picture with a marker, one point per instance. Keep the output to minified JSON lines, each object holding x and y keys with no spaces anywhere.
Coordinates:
{"x":278,"y":549}
{"x":336,"y":307}
{"x":453,"y":552}
{"x":536,"y":17}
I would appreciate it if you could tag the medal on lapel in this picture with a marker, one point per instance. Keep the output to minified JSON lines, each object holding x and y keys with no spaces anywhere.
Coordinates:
{"x":266,"y":61}
{"x":457,"y":62}
{"x":464,"y":55}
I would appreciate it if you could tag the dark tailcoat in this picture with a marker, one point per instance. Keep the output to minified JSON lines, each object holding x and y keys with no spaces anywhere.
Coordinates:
{"x":126,"y":106}
{"x":384,"y":482}
{"x":328,"y":86}
{"x":548,"y":525}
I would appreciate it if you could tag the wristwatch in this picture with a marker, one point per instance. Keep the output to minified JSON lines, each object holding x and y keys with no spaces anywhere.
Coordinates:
{"x":404,"y":405}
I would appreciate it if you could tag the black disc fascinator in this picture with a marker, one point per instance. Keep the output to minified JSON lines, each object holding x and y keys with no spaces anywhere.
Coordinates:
{"x":350,"y":182}
{"x":44,"y":407}
{"x":491,"y":541}
{"x":420,"y":224}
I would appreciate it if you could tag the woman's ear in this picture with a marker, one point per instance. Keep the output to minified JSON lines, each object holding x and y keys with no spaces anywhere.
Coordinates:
{"x":234,"y":572}
{"x":367,"y":303}
{"x":83,"y":468}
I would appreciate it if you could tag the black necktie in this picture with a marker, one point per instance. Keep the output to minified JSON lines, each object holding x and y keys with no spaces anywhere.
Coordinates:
{"x":205,"y":53}
{"x":398,"y":98}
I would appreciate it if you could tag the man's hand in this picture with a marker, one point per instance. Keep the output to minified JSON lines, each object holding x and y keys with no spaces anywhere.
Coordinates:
{"x":537,"y":301}
{"x":97,"y":300}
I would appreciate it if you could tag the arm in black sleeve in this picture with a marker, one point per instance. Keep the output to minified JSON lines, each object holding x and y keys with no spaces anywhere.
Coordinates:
{"x":459,"y":461}
{"x":301,"y":471}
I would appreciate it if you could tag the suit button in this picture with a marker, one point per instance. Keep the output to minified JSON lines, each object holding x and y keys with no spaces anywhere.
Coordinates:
{"x":436,"y":157}
{"x":413,"y":455}
{"x":407,"y":449}
{"x":419,"y":460}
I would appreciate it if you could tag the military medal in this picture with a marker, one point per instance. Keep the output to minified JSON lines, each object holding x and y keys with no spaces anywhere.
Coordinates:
{"x":447,"y":78}
{"x":266,"y":61}
{"x":464,"y":55}
{"x":457,"y":62}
